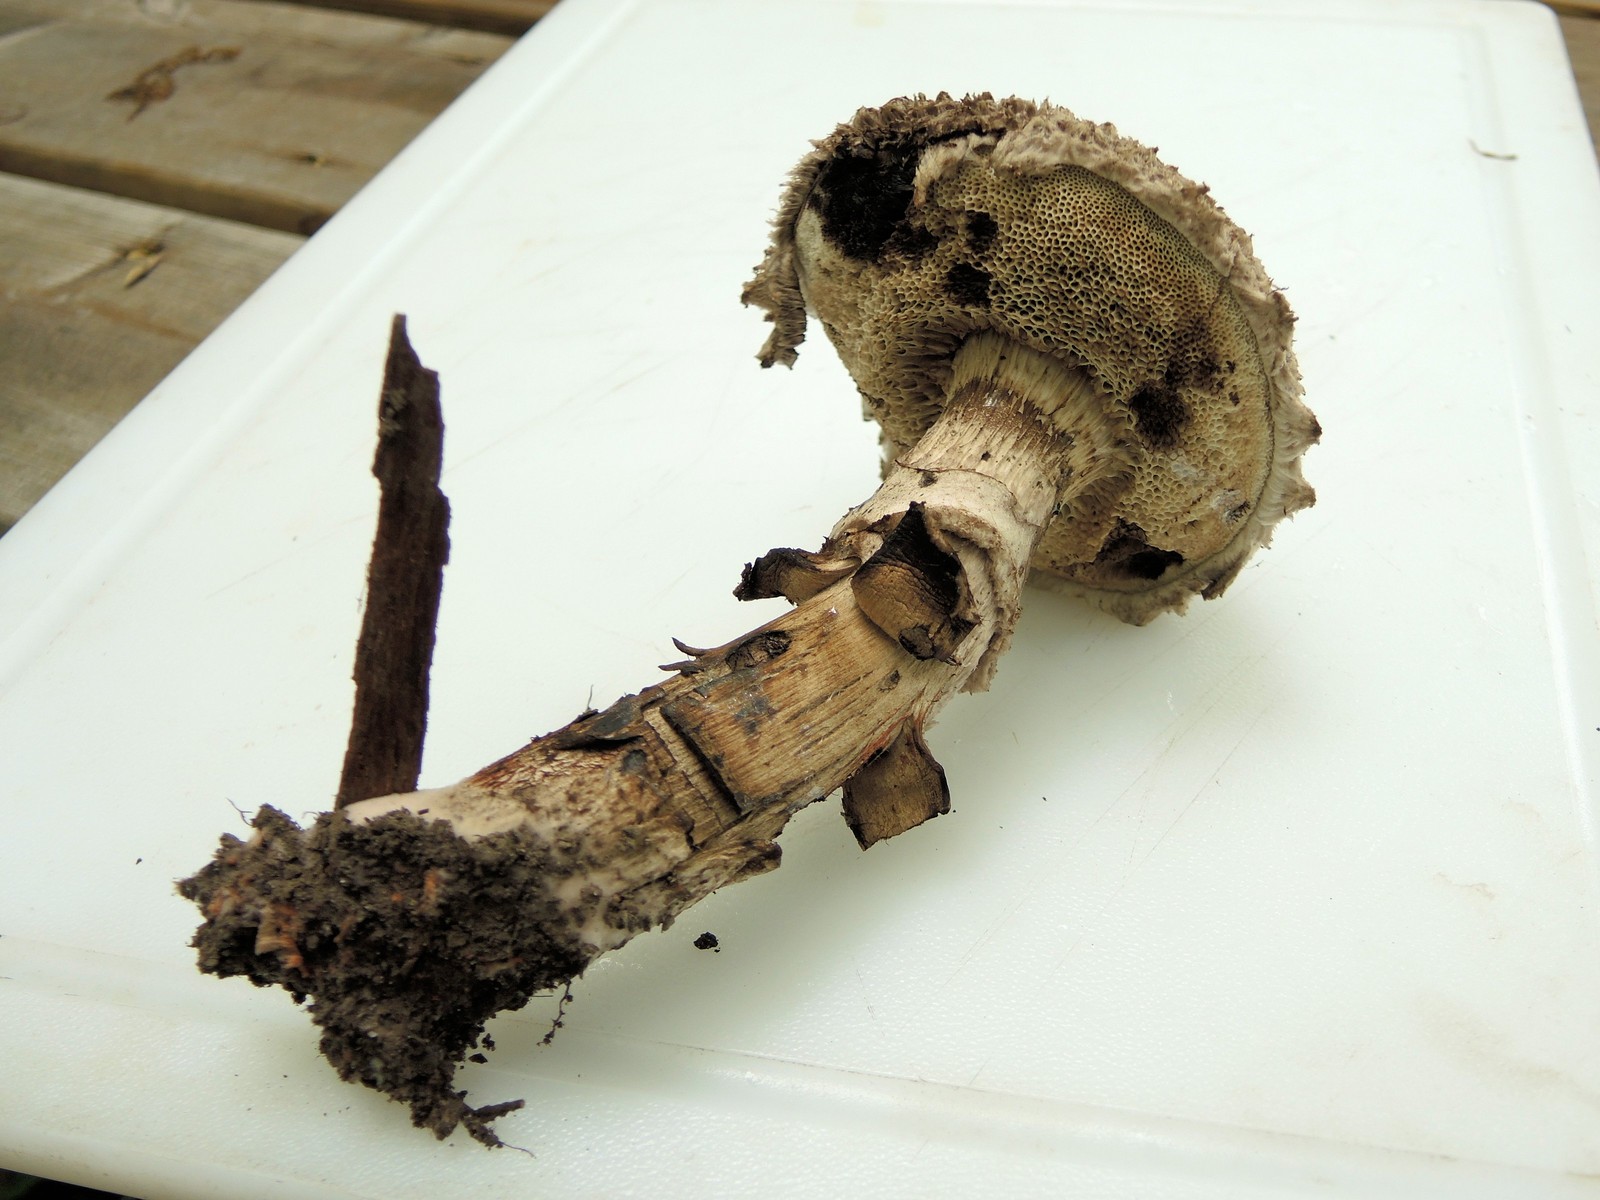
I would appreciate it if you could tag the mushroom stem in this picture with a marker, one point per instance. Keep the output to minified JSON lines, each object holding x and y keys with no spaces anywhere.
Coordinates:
{"x":752,"y":731}
{"x":1020,"y":437}
{"x":411,"y":919}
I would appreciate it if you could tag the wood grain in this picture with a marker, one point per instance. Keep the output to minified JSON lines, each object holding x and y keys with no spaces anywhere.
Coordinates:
{"x":279,"y":134}
{"x":99,"y":299}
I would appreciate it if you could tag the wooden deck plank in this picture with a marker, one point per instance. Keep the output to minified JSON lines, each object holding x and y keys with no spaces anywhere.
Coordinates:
{"x":99,"y":299}
{"x":303,"y":20}
{"x":496,"y":16}
{"x":301,"y":109}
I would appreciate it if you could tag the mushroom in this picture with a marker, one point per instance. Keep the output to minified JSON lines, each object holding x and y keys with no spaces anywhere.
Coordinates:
{"x":928,"y":234}
{"x":1081,"y":371}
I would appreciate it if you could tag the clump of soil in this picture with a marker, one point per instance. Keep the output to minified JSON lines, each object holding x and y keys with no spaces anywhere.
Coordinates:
{"x":404,"y":937}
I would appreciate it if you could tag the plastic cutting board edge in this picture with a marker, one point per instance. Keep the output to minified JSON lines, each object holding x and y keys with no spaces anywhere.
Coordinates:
{"x":1293,"y":896}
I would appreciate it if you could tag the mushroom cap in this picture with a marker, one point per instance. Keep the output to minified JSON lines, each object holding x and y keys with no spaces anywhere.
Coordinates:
{"x":922,"y":222}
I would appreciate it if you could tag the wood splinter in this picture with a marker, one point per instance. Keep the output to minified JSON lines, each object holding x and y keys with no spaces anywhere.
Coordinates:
{"x":1081,"y":370}
{"x":395,"y":650}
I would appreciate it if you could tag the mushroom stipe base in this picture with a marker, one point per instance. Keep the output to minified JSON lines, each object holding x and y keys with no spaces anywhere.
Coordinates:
{"x":405,"y":937}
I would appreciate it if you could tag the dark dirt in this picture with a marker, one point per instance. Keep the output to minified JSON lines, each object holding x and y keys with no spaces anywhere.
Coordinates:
{"x":1159,"y":414}
{"x":404,"y":938}
{"x":865,"y":196}
{"x":968,"y":285}
{"x":982,"y":229}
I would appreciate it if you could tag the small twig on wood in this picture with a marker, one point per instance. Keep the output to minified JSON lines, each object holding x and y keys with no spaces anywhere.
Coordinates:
{"x":404,"y":577}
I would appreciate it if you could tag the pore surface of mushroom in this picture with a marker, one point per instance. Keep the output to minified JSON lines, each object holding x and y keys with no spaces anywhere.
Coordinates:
{"x":1080,"y":369}
{"x":923,"y":222}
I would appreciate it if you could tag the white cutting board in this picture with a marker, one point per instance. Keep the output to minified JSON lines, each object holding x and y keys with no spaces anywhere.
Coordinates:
{"x":1293,"y":896}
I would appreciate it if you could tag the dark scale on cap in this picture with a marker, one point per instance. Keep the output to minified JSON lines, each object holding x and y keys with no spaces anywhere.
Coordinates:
{"x":968,"y":284}
{"x":863,"y":198}
{"x":1159,"y":414}
{"x":981,"y":231}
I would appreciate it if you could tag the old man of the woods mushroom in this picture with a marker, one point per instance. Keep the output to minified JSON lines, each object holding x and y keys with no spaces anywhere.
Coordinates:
{"x":1080,"y":370}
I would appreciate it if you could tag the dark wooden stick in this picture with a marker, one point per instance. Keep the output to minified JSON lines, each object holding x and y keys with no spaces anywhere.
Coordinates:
{"x":404,"y":576}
